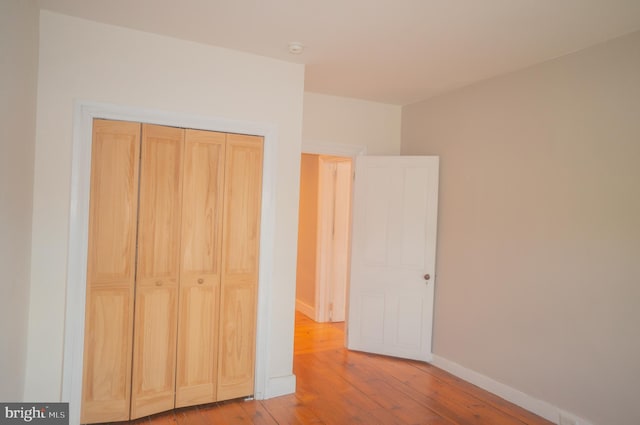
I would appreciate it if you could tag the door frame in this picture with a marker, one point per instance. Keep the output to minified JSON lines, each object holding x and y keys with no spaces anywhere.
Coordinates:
{"x":325,"y":256}
{"x":332,"y":149}
{"x":84,"y":113}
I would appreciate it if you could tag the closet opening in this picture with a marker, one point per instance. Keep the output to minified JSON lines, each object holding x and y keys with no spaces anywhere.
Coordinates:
{"x":172,"y":272}
{"x":79,"y":249}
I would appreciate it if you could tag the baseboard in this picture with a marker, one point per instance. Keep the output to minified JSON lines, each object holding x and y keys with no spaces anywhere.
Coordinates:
{"x":541,"y":408}
{"x":305,"y":309}
{"x":280,"y":385}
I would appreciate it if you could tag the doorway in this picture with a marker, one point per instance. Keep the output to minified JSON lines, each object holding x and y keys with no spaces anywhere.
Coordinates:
{"x":324,"y":236}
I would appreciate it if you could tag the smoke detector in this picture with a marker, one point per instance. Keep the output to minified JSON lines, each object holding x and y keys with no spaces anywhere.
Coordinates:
{"x":295,"y":47}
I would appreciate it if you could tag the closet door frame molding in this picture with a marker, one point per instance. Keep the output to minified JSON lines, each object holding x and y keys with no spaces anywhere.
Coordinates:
{"x":84,"y":113}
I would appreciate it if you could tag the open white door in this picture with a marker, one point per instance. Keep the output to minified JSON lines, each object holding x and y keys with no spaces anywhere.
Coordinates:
{"x":393,"y":256}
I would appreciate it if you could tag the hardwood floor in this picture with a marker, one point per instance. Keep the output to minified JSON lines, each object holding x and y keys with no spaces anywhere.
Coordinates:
{"x":340,"y":387}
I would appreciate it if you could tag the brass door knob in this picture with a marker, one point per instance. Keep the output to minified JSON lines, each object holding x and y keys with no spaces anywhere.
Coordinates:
{"x":427,"y":276}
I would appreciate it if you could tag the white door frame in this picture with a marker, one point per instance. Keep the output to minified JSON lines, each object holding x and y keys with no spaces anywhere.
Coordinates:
{"x":325,"y":255}
{"x":84,"y":113}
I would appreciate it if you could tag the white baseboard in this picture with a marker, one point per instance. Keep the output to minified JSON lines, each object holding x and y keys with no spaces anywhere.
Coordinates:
{"x":306,"y":309}
{"x":541,"y":408}
{"x":280,"y":385}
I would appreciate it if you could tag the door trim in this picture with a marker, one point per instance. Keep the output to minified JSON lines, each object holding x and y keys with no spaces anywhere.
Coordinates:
{"x":327,"y":148}
{"x":84,"y":113}
{"x":325,"y":257}
{"x":319,"y":147}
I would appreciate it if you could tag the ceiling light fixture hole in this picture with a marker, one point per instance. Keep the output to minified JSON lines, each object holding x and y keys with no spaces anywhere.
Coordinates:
{"x":295,"y":48}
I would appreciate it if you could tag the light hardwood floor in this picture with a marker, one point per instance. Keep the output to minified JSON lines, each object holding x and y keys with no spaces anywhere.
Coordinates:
{"x":340,"y":387}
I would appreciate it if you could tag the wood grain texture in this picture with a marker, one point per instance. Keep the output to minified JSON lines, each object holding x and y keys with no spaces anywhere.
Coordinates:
{"x":113,"y":207}
{"x":197,"y":344}
{"x":339,"y":387}
{"x":242,"y":205}
{"x":107,"y":367}
{"x":160,"y":205}
{"x":154,"y":350}
{"x":110,"y":271}
{"x":158,"y":269}
{"x":237,"y":342}
{"x":202,"y":200}
{"x":239,"y":281}
{"x":165,"y":201}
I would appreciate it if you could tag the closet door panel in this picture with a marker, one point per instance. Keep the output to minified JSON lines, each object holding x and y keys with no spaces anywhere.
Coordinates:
{"x":243,"y":189}
{"x":107,"y":368}
{"x":239,"y":281}
{"x":156,"y":308}
{"x":154,"y":350}
{"x":160,"y":204}
{"x":202,"y":199}
{"x":110,"y":272}
{"x":114,"y":202}
{"x":180,"y":210}
{"x":197,"y":358}
{"x":237,"y":346}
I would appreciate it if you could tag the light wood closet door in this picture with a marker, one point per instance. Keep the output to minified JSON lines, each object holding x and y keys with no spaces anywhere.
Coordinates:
{"x":202,"y":198}
{"x":240,"y":249}
{"x":156,"y":308}
{"x":110,"y":271}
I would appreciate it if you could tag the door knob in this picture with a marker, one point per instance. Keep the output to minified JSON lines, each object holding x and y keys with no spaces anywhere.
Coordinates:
{"x":427,"y":276}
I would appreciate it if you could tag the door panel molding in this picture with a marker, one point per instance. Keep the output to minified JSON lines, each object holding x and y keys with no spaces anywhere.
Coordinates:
{"x":393,"y":257}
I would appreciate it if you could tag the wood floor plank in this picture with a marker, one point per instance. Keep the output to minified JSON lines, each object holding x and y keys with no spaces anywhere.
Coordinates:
{"x":185,"y":416}
{"x":457,"y":406}
{"x":405,"y":408}
{"x":499,"y":403}
{"x":336,"y":386}
{"x":291,"y":410}
{"x":257,"y":412}
{"x":228,"y":413}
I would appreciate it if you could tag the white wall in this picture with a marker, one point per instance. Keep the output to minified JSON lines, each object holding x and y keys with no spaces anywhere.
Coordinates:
{"x":84,"y":60}
{"x":538,"y":276}
{"x":18,"y":88}
{"x":345,"y":121}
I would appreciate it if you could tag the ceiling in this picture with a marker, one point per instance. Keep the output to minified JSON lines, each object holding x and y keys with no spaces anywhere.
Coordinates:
{"x":390,"y":51}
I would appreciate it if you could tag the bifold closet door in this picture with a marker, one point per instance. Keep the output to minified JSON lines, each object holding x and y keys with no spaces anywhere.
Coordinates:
{"x":158,"y":270}
{"x":239,"y":280}
{"x":113,"y":210}
{"x":172,"y":274}
{"x":202,"y":200}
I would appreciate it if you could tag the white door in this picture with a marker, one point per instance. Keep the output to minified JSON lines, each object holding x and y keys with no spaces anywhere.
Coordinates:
{"x":393,"y":256}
